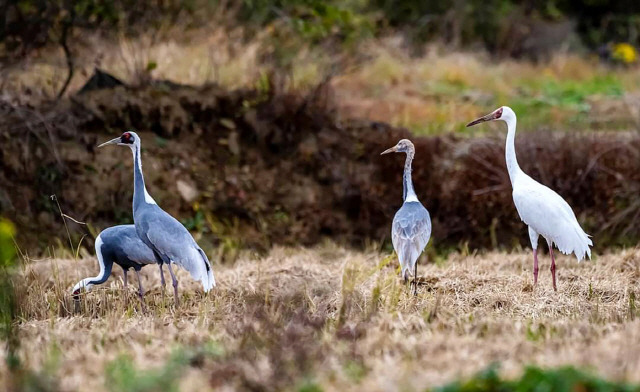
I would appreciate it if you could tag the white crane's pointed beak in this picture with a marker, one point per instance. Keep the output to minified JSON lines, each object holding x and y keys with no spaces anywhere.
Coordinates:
{"x":112,"y":141}
{"x":392,"y":149}
{"x":488,"y":117}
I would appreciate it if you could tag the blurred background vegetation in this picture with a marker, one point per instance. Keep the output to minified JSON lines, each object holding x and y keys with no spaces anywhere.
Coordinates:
{"x":269,"y":85}
{"x":503,"y":27}
{"x":262,"y":122}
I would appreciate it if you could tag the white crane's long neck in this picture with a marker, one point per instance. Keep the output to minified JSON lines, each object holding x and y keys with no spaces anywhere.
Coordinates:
{"x":140,"y":194}
{"x":510,"y":151}
{"x":408,"y":193}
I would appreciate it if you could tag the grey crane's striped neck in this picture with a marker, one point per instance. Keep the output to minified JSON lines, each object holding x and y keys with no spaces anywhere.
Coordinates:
{"x":408,"y":193}
{"x":140,"y":194}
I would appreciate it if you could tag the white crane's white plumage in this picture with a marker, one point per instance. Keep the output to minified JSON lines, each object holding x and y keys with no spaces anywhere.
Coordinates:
{"x":543,"y":210}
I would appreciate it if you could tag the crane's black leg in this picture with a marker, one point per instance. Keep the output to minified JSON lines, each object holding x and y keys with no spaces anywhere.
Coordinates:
{"x":175,"y":284}
{"x":140,"y":291}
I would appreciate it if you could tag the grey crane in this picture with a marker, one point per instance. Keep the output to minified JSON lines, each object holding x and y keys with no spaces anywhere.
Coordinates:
{"x":411,"y":227}
{"x":170,"y":241}
{"x":120,"y":245}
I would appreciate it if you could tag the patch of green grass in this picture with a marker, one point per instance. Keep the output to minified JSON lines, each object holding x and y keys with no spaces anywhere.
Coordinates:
{"x":536,"y":379}
{"x":537,"y":100}
{"x":122,"y":375}
{"x":355,"y":370}
{"x":310,"y":386}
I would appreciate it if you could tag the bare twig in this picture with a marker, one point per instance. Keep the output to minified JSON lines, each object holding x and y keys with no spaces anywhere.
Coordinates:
{"x":66,"y":29}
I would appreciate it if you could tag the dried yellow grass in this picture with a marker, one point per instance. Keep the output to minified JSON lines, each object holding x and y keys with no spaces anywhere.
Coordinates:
{"x":300,"y":314}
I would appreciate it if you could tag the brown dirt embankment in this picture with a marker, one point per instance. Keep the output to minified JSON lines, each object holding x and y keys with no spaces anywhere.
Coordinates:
{"x":257,"y":167}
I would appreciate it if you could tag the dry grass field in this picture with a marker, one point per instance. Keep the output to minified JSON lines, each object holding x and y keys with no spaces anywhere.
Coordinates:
{"x":330,"y":318}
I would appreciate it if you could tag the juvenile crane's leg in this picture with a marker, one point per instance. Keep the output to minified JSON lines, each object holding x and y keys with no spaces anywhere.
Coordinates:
{"x":535,"y":266}
{"x":140,"y":291}
{"x":553,"y":267}
{"x":415,"y":278}
{"x":175,"y":284}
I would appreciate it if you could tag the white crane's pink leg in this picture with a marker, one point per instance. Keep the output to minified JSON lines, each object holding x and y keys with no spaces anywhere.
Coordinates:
{"x":535,"y":266}
{"x":553,"y":267}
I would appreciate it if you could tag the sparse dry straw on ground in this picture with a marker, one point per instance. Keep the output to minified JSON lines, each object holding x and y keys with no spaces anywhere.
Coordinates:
{"x":341,"y":319}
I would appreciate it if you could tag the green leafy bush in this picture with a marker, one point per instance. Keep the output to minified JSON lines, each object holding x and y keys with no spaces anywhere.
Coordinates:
{"x":536,"y":379}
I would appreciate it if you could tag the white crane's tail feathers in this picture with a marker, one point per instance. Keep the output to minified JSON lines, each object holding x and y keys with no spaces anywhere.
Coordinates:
{"x":577,"y":242}
{"x":582,"y":247}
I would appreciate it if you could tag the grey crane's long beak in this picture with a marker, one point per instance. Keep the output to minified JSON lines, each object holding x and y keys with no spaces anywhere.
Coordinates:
{"x":112,"y":141}
{"x":488,"y":117}
{"x":392,"y":149}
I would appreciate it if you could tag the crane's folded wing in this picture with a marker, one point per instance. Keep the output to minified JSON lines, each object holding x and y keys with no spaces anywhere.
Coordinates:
{"x":411,"y":225}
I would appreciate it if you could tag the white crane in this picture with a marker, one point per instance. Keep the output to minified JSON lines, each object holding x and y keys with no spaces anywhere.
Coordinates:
{"x":411,"y":227}
{"x":543,"y":210}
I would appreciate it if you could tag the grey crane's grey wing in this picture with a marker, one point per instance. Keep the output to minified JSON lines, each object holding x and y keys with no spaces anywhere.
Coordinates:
{"x":169,"y":238}
{"x":175,"y":243}
{"x":166,"y":240}
{"x":137,"y":251}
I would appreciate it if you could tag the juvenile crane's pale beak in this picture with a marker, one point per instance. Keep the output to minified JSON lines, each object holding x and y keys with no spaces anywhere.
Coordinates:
{"x":392,"y":149}
{"x":112,"y":141}
{"x":488,"y":117}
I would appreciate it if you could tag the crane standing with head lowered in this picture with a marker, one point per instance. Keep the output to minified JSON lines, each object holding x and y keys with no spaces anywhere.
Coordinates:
{"x":542,"y":209}
{"x":411,"y":228}
{"x":120,"y":245}
{"x":170,"y":241}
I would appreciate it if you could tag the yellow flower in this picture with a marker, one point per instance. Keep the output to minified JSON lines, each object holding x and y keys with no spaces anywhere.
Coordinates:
{"x":6,"y":229}
{"x":624,"y":53}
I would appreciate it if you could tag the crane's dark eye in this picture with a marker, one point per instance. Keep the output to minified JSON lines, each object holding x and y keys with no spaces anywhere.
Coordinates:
{"x":126,"y":138}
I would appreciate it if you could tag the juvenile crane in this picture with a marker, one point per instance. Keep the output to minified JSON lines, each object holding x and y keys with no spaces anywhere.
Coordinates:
{"x":542,"y":209}
{"x":170,"y":241}
{"x":120,"y":245}
{"x":411,"y":228}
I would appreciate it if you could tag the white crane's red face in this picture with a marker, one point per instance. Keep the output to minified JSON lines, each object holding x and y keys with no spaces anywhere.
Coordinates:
{"x":495,"y":115}
{"x":126,"y":139}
